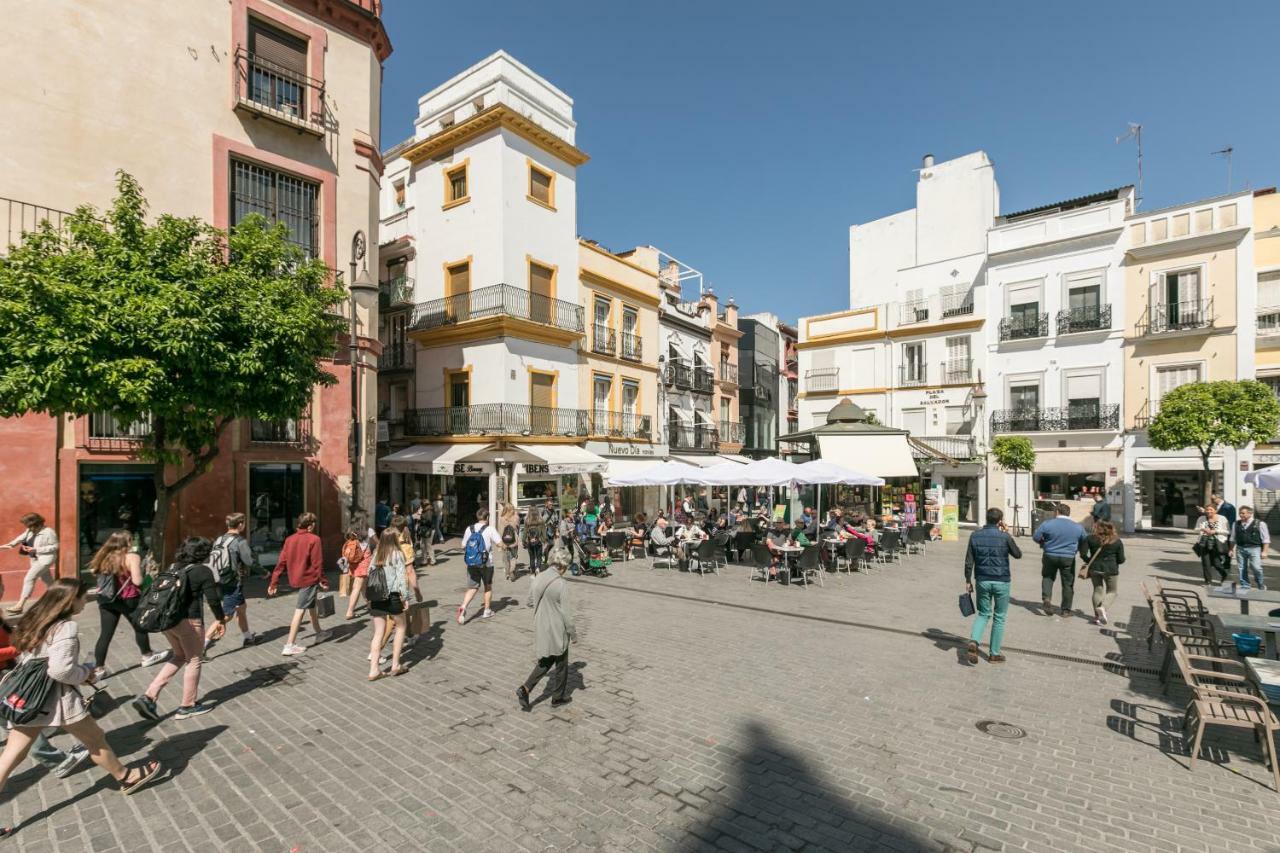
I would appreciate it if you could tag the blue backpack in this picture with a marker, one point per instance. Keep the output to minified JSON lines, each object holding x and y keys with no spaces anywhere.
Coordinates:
{"x":476,"y":554}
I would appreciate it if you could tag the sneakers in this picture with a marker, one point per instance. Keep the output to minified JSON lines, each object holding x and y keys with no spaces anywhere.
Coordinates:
{"x":996,"y":659}
{"x":100,"y":674}
{"x":75,"y":759}
{"x":293,"y":649}
{"x":556,"y":703}
{"x":462,"y":614}
{"x":487,"y":614}
{"x":185,"y":711}
{"x":146,"y":707}
{"x":522,"y":696}
{"x":1048,"y":607}
{"x":322,"y":636}
{"x":250,"y":639}
{"x":155,"y":658}
{"x":1102,"y":615}
{"x":208,"y":644}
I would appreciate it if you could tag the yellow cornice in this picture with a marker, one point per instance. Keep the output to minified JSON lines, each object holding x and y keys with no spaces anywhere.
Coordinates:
{"x":621,"y":288}
{"x":604,"y":358}
{"x":611,"y":256}
{"x":495,"y":327}
{"x":842,"y":338}
{"x":927,"y":329}
{"x":804,"y":395}
{"x":497,"y":116}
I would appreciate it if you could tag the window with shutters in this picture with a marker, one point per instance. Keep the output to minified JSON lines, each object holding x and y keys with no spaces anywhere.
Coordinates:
{"x":1083,"y":392}
{"x":542,"y":184}
{"x":1170,"y":377}
{"x":456,"y":188}
{"x":1268,"y":304}
{"x":280,"y":197}
{"x":272,"y":73}
{"x":542,"y":285}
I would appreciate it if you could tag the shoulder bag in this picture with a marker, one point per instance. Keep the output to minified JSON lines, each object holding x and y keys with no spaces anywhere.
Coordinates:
{"x":1084,"y":570}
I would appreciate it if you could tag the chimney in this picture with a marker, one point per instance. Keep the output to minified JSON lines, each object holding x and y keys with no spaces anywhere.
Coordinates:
{"x":927,"y":163}
{"x":710,"y":303}
{"x":669,"y":277}
{"x":731,"y":312}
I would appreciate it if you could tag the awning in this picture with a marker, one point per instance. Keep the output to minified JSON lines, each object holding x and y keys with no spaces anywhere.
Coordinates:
{"x":881,"y":454}
{"x":733,"y":457}
{"x":445,"y":459}
{"x":562,"y":459}
{"x":698,"y":461}
{"x":622,"y":467}
{"x":1177,"y":463}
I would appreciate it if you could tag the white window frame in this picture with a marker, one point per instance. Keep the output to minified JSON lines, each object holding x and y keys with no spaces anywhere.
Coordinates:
{"x":1099,"y":370}
{"x":1201,"y":365}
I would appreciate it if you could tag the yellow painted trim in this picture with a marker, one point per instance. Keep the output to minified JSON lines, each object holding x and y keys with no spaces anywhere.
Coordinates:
{"x":497,"y":116}
{"x":804,"y":395}
{"x":447,"y":173}
{"x":923,"y":329}
{"x":620,"y":361}
{"x":487,"y":328}
{"x":852,"y":312}
{"x":614,"y":257}
{"x":449,"y":373}
{"x":845,"y":338}
{"x":555,"y":384}
{"x":447,"y":266}
{"x":530,"y":260}
{"x":551,"y":189}
{"x":600,"y":280}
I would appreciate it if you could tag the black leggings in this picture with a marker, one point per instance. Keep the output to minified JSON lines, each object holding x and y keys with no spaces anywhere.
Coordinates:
{"x":110,"y":619}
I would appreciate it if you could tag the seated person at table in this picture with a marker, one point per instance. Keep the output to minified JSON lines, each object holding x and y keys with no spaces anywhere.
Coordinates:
{"x":660,"y":536}
{"x":690,"y":536}
{"x":834,"y":522}
{"x":604,"y":526}
{"x":638,"y":531}
{"x":777,"y":539}
{"x":799,"y":534}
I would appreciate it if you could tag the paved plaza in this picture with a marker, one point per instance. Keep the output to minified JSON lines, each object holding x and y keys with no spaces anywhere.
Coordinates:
{"x":708,"y":713}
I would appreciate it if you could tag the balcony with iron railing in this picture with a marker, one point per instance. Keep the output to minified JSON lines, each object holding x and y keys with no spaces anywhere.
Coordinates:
{"x":699,"y":437}
{"x":728,"y":372}
{"x":395,"y":356}
{"x":18,"y":218}
{"x":703,"y":379}
{"x":498,"y":419}
{"x":621,"y":424}
{"x":604,"y":340}
{"x":1269,"y":322}
{"x":632,"y":346}
{"x":1096,"y":318}
{"x":1075,"y":416}
{"x":1024,"y":327}
{"x":731,"y":432}
{"x":283,"y":431}
{"x":264,"y":88}
{"x":107,"y":432}
{"x":1194,"y":315}
{"x":395,"y":292}
{"x":822,"y":380}
{"x":678,"y":374}
{"x":498,"y":300}
{"x":957,"y":371}
{"x":913,"y":375}
{"x":940,"y":306}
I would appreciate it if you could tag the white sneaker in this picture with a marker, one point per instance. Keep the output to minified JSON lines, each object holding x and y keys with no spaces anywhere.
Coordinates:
{"x":100,"y":674}
{"x":1102,"y":615}
{"x":321,"y":636}
{"x":155,"y":658}
{"x":293,"y":650}
{"x":487,"y":614}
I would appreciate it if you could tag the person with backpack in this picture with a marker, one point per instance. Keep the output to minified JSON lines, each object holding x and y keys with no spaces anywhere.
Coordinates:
{"x":509,"y":524}
{"x":232,"y":560}
{"x":48,"y":674}
{"x":534,"y":535}
{"x":479,"y":541}
{"x":388,"y":594}
{"x":39,"y":544}
{"x":118,"y":568}
{"x":174,"y":606}
{"x":302,"y":558}
{"x":358,"y":552}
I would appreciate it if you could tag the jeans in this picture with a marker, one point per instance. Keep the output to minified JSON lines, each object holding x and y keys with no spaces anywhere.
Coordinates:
{"x":1213,"y":560}
{"x":559,"y":678}
{"x":1053,"y":567}
{"x":110,"y":619}
{"x":45,"y":753}
{"x":187,"y":640}
{"x":535,"y":556}
{"x":993,"y":604}
{"x":36,"y":572}
{"x":1104,"y":590}
{"x":1249,"y":560}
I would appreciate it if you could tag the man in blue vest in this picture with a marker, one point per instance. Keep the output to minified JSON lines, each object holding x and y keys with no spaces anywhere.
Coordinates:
{"x":1061,"y":539}
{"x":1250,"y":540}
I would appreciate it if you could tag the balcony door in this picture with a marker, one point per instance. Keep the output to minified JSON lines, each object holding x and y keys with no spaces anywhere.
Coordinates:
{"x":1168,"y":378}
{"x":601,"y":391}
{"x":457,"y":286}
{"x":601,"y":332}
{"x":958,"y":359}
{"x":1176,"y":300}
{"x":458,"y":402}
{"x":541,"y":292}
{"x":913,"y":363}
{"x":1084,"y":303}
{"x":1024,"y":406}
{"x":542,"y":401}
{"x":630,"y":407}
{"x":1084,"y":400}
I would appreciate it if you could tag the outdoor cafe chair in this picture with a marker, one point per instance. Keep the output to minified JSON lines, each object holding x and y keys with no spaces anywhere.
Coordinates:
{"x":918,"y":539}
{"x":851,"y":555}
{"x":761,"y":560}
{"x":664,"y":556}
{"x":615,"y":543}
{"x":1197,"y":634}
{"x":721,"y":552}
{"x":809,"y":565}
{"x":742,"y":542}
{"x":704,"y":556}
{"x":888,"y":545}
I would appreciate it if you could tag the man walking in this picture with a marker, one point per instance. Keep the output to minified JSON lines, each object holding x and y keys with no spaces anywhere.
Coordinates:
{"x":40,"y":545}
{"x":478,"y":542}
{"x":1250,"y":540}
{"x":552,"y":633}
{"x":301,"y":557}
{"x":987,"y":561}
{"x":1101,"y":510}
{"x":234,"y":549}
{"x":1061,"y":539}
{"x":381,"y":515}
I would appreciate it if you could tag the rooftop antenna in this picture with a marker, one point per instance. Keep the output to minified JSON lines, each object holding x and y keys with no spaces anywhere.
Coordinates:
{"x":1135,"y":132}
{"x":1226,"y":153}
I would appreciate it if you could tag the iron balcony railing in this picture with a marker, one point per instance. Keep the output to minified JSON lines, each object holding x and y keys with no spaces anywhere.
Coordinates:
{"x":498,"y":300}
{"x":913,"y":375}
{"x":1268,"y":321}
{"x":620,"y":424}
{"x":397,"y":291}
{"x":284,"y":431}
{"x":822,"y":379}
{"x":632,"y":346}
{"x":729,"y":372}
{"x":700,"y":437}
{"x":703,"y":379}
{"x":1076,"y":416}
{"x":957,"y":370}
{"x":1177,"y":317}
{"x":956,"y":304}
{"x":939,"y":307}
{"x":1093,"y":319}
{"x":731,"y":432}
{"x":106,"y":426}
{"x":278,"y":91}
{"x":1024,"y":327}
{"x":20,"y":217}
{"x":679,"y":374}
{"x":604,"y":340}
{"x":498,"y":419}
{"x":395,"y":357}
{"x":958,"y":447}
{"x":915,"y":311}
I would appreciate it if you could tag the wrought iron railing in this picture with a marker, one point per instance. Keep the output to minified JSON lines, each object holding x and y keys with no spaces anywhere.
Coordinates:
{"x":821,"y":379}
{"x":703,"y":379}
{"x":951,"y":446}
{"x":106,"y":426}
{"x":915,"y":311}
{"x":1024,"y":327}
{"x":398,"y":290}
{"x":956,"y":304}
{"x":679,"y":374}
{"x":276,"y":90}
{"x":1268,"y":321}
{"x":957,"y":370}
{"x":1093,"y":319}
{"x":913,"y":375}
{"x":20,"y":217}
{"x":498,"y":419}
{"x":604,"y":340}
{"x":632,"y":346}
{"x":700,"y":437}
{"x":1076,"y":416}
{"x":395,"y":357}
{"x":284,"y":431}
{"x":728,"y":372}
{"x":498,"y":300}
{"x":621,"y":424}
{"x":1177,"y":317}
{"x":731,"y":432}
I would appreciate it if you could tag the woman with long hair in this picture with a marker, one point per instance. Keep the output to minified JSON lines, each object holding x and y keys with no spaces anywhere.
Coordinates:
{"x":48,"y":630}
{"x":1102,"y":566}
{"x":118,"y":568}
{"x":509,"y":529}
{"x":358,"y":552}
{"x":390,"y":609}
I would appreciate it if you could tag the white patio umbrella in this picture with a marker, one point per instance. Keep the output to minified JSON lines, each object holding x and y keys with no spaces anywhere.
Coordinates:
{"x":821,"y":472}
{"x":724,"y":474}
{"x":1264,"y":478}
{"x":768,"y":472}
{"x":662,"y":474}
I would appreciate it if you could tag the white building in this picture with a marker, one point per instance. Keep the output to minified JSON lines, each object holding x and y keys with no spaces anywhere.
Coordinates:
{"x":1055,"y":363}
{"x":688,"y":389}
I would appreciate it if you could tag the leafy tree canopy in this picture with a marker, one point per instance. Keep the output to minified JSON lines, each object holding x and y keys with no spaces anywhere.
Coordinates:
{"x":1014,"y":452}
{"x":1205,"y":415}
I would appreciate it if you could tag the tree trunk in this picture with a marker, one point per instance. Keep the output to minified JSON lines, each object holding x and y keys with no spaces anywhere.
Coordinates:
{"x":160,"y":521}
{"x":1207,"y":490}
{"x":167,"y":492}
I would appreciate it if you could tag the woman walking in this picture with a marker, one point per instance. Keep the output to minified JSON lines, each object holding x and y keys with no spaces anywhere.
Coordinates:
{"x":187,"y":636}
{"x":509,"y":528}
{"x":389,"y":611}
{"x":1213,"y":531}
{"x":118,"y":568}
{"x":358,"y":552}
{"x":553,"y":631}
{"x":39,"y":544}
{"x":49,"y":631}
{"x":1102,"y":566}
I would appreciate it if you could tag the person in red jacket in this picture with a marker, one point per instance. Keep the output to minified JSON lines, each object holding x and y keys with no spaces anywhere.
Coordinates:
{"x":302,"y":559}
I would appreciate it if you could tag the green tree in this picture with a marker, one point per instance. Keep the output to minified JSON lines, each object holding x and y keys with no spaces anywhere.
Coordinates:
{"x":1206,"y":415}
{"x":1014,"y":453}
{"x":174,"y":323}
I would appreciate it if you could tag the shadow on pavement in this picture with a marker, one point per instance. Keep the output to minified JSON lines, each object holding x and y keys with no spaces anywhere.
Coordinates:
{"x":779,"y":803}
{"x":262,"y":677}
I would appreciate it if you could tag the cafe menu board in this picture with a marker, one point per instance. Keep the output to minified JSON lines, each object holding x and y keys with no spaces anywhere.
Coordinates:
{"x":950,"y":515}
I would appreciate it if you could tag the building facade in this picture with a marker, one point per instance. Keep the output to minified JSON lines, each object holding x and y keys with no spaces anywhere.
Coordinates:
{"x":278,"y":113}
{"x":724,"y":341}
{"x":688,"y":394}
{"x":759,"y":356}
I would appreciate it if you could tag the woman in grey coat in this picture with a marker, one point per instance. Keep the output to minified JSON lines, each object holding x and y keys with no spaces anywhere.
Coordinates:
{"x":553,"y":631}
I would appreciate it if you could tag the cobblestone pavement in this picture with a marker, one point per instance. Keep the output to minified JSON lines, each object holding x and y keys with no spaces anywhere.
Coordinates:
{"x":708,"y":713}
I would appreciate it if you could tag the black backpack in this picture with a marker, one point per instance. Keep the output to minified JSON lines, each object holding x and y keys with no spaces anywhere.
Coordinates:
{"x":165,"y":604}
{"x":24,"y":691}
{"x":508,"y":535}
{"x":375,"y":584}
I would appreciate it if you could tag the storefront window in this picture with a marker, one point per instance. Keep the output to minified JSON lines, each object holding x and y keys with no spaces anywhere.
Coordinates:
{"x":276,"y":499}
{"x":115,"y":497}
{"x":1073,"y":487}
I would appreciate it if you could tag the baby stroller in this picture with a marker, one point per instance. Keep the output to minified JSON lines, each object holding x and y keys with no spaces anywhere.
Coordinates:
{"x":593,"y":558}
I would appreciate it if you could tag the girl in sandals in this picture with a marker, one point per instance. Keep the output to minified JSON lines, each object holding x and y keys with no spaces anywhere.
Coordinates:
{"x":388,"y":613}
{"x":48,"y":630}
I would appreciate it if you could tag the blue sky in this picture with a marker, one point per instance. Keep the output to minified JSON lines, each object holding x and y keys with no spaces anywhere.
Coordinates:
{"x":746,"y":137}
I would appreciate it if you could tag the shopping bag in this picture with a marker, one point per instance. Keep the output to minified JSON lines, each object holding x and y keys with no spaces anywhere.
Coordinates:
{"x":344,"y":585}
{"x":966,"y":604}
{"x":418,"y":619}
{"x":324,"y":606}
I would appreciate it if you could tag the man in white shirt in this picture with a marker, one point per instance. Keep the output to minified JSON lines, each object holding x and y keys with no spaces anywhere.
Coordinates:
{"x":40,"y":545}
{"x":479,"y":559}
{"x":1250,"y":540}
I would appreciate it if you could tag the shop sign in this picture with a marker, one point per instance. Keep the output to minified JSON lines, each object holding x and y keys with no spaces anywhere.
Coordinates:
{"x":935,"y":397}
{"x":1114,"y":471}
{"x":468,"y":469}
{"x":537,"y":469}
{"x":630,"y":449}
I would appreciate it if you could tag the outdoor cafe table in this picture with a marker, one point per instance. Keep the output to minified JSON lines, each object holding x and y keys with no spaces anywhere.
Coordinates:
{"x":1266,"y":596}
{"x":1265,"y":625}
{"x":789,"y":552}
{"x":1266,"y":673}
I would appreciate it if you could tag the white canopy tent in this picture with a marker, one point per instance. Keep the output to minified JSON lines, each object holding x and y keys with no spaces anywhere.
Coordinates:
{"x":1264,"y":478}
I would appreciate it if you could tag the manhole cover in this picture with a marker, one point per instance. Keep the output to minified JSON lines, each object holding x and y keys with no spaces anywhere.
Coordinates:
{"x":995,"y":728}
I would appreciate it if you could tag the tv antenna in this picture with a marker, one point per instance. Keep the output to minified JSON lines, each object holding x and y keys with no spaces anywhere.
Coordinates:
{"x":1135,"y":132}
{"x":1226,"y":153}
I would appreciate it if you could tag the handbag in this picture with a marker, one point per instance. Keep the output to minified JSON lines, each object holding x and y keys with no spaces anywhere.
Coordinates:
{"x":324,"y":606}
{"x":25,"y":691}
{"x":966,"y":604}
{"x":1084,"y":570}
{"x":99,"y":703}
{"x":417,"y":619}
{"x":1199,"y":548}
